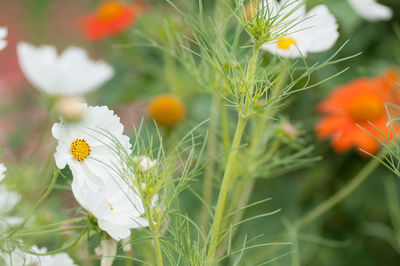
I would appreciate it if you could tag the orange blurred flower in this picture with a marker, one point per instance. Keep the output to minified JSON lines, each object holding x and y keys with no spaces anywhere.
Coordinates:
{"x":112,"y":17}
{"x":167,"y":110}
{"x":359,"y":103}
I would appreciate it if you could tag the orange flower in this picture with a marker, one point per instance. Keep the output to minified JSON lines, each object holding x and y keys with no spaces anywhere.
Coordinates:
{"x":355,"y":105}
{"x":112,"y":17}
{"x":167,"y":110}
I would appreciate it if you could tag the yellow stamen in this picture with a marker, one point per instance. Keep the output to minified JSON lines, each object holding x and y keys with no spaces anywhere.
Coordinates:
{"x":111,"y":206}
{"x":110,"y":10}
{"x":285,"y":42}
{"x":80,"y":149}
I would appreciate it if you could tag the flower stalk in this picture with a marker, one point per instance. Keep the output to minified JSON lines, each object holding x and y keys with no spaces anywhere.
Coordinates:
{"x":154,"y":228}
{"x":341,"y":194}
{"x":227,"y":181}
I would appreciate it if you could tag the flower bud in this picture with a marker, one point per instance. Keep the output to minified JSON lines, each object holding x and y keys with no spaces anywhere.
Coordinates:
{"x":145,"y":163}
{"x":70,"y":108}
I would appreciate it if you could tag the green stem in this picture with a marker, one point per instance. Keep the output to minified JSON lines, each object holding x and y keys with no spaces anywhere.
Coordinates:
{"x":340,"y":195}
{"x":155,"y":233}
{"x":227,"y":181}
{"x":45,"y":195}
{"x":211,"y":151}
{"x":225,"y":130}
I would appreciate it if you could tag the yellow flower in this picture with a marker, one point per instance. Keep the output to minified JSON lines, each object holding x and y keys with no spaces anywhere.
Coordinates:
{"x":167,"y":110}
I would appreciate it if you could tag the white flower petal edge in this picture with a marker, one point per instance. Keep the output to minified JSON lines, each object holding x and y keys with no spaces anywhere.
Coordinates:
{"x":3,"y":169}
{"x":18,"y":257}
{"x":315,"y":31}
{"x":118,"y":209}
{"x":371,"y":10}
{"x":8,"y":199}
{"x":3,"y":35}
{"x":72,"y":73}
{"x":96,"y":134}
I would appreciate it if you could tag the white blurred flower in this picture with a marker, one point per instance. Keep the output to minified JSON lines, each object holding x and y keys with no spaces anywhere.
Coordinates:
{"x":371,"y":10}
{"x":3,"y":169}
{"x":107,"y":249}
{"x":20,"y":258}
{"x":308,"y":32}
{"x":8,"y":199}
{"x":144,"y":163}
{"x":3,"y":35}
{"x":118,"y":208}
{"x":88,"y":146}
{"x":72,"y":73}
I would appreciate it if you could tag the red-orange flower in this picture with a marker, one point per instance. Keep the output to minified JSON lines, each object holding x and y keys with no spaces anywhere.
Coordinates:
{"x":112,"y":17}
{"x":359,"y":103}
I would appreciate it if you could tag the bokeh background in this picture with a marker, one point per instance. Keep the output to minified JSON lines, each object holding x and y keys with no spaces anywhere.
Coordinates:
{"x":353,"y":233}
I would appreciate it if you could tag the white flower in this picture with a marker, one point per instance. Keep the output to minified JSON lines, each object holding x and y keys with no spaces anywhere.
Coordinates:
{"x":20,"y":258}
{"x":315,"y":31}
{"x":3,"y":35}
{"x":107,"y":250}
{"x":144,"y":162}
{"x":88,"y":146}
{"x":8,"y":199}
{"x":118,"y":208}
{"x":70,"y":74}
{"x":371,"y":10}
{"x":3,"y":169}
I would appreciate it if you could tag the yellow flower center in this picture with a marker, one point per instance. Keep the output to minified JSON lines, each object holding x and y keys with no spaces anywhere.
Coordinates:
{"x":285,"y":43}
{"x":80,"y":149}
{"x":110,"y":205}
{"x":110,"y":10}
{"x":366,"y":108}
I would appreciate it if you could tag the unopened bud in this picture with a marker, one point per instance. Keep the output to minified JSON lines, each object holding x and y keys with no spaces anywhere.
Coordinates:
{"x":289,"y":130}
{"x":145,"y":163}
{"x":70,"y":108}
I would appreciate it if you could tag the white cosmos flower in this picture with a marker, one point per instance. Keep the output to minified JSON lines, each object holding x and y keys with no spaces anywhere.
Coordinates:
{"x":3,"y":169}
{"x":371,"y":10}
{"x":88,"y":146}
{"x":70,"y":74}
{"x":3,"y":35}
{"x":20,"y":258}
{"x":308,"y":32}
{"x":118,"y":208}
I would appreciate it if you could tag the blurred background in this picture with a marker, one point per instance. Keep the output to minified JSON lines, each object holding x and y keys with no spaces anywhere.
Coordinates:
{"x":353,"y":233}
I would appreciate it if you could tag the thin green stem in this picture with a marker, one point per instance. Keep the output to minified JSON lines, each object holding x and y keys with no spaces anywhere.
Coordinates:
{"x":227,"y":181}
{"x":45,"y":195}
{"x":211,"y":152}
{"x":155,"y":232}
{"x":225,"y":129}
{"x":340,"y":195}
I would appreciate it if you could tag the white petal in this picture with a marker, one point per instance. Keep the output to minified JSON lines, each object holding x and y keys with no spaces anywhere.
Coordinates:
{"x":3,"y":169}
{"x":79,"y":74}
{"x":39,"y":66}
{"x":320,"y":30}
{"x":371,"y":10}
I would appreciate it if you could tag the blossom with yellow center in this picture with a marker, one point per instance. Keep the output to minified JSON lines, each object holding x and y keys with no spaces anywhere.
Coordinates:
{"x":360,"y":103}
{"x":308,"y":32}
{"x":167,"y":110}
{"x":88,"y":146}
